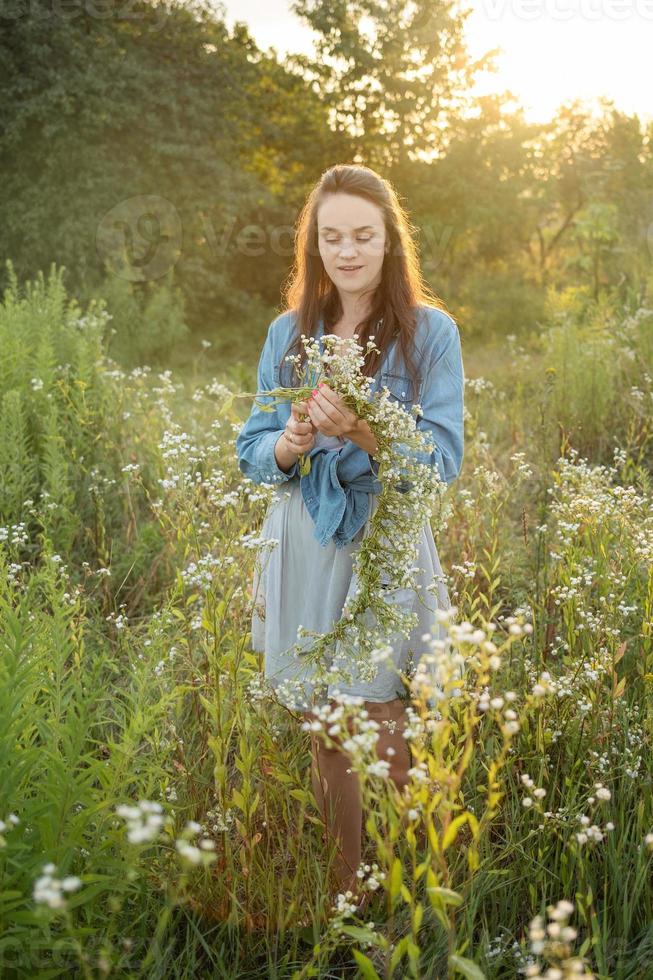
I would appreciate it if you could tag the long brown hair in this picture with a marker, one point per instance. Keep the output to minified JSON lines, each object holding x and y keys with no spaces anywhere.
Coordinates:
{"x":310,"y":292}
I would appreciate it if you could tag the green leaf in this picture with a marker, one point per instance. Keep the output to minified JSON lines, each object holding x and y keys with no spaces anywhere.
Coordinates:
{"x":467,"y":967}
{"x":421,"y":868}
{"x":239,"y":800}
{"x":210,"y":707}
{"x":395,"y":878}
{"x":365,"y":965}
{"x":446,"y":895}
{"x":473,"y":824}
{"x":363,"y":934}
{"x":398,"y":952}
{"x":264,"y":406}
{"x":417,"y":917}
{"x":225,"y":407}
{"x":406,"y":895}
{"x":299,"y":794}
{"x":452,"y":830}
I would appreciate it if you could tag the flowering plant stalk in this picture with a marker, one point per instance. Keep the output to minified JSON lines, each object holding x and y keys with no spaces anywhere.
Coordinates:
{"x":385,"y":561}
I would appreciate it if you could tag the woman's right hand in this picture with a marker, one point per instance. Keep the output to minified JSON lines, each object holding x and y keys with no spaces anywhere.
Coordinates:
{"x":299,"y":433}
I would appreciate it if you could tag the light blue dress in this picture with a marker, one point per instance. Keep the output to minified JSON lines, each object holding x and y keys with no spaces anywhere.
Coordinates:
{"x":300,"y":582}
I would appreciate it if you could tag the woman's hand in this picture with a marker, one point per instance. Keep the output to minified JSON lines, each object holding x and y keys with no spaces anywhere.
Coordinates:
{"x":329,"y":414}
{"x":299,"y":435}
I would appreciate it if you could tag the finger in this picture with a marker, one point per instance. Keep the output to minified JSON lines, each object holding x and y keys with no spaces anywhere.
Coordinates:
{"x":299,"y":430}
{"x":306,"y":420}
{"x":299,"y":408}
{"x":322,"y":422}
{"x":315,"y":413}
{"x":328,"y":392}
{"x":329,"y":395}
{"x":295,"y":421}
{"x":325,"y":409}
{"x":301,"y":444}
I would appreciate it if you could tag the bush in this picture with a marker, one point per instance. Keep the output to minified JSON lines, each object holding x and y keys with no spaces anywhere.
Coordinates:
{"x":147,"y":320}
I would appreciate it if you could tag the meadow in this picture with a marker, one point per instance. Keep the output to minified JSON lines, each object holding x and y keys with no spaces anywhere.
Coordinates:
{"x":156,"y":816}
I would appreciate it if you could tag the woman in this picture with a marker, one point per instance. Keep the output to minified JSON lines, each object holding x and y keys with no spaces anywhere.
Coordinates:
{"x":356,"y":272}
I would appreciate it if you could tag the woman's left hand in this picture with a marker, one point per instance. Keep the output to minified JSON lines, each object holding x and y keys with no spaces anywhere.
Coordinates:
{"x":329,"y":414}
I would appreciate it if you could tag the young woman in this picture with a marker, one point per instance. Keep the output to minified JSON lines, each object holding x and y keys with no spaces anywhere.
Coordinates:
{"x":356,"y":272}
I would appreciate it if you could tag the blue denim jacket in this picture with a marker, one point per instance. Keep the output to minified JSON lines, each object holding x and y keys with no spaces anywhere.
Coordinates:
{"x":336,"y":489}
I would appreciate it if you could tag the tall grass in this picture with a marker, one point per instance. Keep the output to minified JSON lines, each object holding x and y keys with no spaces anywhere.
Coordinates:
{"x":155,"y":803}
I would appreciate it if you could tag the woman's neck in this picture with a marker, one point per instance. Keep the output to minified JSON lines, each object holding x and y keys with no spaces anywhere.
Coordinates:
{"x":343,"y":329}
{"x":354,"y":309}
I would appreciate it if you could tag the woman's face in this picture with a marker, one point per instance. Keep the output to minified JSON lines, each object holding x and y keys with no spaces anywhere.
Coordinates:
{"x":351,"y":232}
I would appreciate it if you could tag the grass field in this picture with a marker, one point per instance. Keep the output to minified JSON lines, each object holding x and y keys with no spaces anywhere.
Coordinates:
{"x":156,"y":816}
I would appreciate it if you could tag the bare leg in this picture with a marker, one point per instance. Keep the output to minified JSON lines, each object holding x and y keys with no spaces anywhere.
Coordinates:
{"x":392,"y":719}
{"x":337,"y":792}
{"x":338,"y":796}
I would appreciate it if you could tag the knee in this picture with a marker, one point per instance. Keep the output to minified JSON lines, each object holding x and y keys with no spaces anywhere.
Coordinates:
{"x":392,"y":747}
{"x":331,"y":754}
{"x":333,"y":745}
{"x":399,"y":776}
{"x":399,"y":764}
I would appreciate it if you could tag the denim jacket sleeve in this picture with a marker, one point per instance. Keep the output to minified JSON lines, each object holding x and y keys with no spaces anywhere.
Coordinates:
{"x":257,"y":438}
{"x":442,"y":400}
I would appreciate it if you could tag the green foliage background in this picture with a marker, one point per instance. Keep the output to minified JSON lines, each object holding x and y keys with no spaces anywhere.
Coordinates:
{"x":166,"y":101}
{"x":126,"y":528}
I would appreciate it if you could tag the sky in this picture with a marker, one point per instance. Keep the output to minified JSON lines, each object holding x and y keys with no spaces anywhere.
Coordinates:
{"x":552,"y":50}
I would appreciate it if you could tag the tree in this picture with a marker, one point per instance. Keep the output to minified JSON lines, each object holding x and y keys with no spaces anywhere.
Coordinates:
{"x":140,"y":140}
{"x":392,"y":73}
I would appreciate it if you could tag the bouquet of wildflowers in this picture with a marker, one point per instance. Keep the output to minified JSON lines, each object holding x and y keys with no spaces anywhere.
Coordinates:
{"x":385,"y":561}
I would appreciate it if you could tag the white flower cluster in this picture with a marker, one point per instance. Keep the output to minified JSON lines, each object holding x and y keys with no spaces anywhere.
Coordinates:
{"x":587,"y":496}
{"x":374,"y":876}
{"x":183,"y":458}
{"x":553,"y":942}
{"x":538,"y":791}
{"x":12,"y":820}
{"x":335,"y":719}
{"x":477,"y":385}
{"x":195,"y":854}
{"x":511,"y":721}
{"x":346,"y":903}
{"x":49,"y":890}
{"x":543,"y":685}
{"x":440,"y":672}
{"x":201,"y":574}
{"x":591,"y":831}
{"x":144,"y":821}
{"x":219,"y":820}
